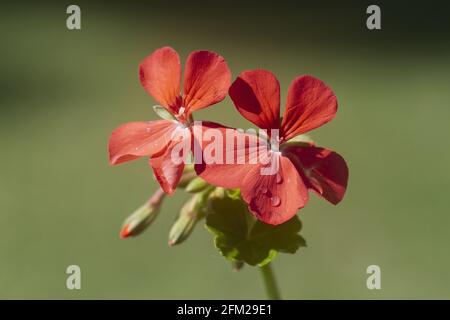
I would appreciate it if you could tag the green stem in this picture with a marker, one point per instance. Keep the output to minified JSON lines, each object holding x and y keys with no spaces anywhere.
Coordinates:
{"x":269,"y":282}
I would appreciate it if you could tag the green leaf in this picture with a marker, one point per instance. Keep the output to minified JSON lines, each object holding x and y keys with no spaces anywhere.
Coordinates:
{"x":239,"y":236}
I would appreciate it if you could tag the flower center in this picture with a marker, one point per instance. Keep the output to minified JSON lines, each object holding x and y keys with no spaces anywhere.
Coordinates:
{"x":182,"y":117}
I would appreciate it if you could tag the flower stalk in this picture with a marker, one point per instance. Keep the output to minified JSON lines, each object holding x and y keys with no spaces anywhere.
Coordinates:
{"x":269,"y":282}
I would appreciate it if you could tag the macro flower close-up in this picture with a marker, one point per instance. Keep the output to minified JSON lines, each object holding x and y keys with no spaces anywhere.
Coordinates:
{"x":220,"y":154}
{"x":272,"y":176}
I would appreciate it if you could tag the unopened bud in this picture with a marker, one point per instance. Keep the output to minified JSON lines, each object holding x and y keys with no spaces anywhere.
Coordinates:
{"x":191,"y":212}
{"x":140,"y":219}
{"x":196,"y":185}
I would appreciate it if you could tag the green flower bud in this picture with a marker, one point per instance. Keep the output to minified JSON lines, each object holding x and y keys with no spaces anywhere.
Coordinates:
{"x":140,"y":219}
{"x":196,"y":185}
{"x":191,"y":212}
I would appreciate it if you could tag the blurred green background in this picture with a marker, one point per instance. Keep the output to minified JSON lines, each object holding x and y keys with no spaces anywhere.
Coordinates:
{"x":63,"y":92}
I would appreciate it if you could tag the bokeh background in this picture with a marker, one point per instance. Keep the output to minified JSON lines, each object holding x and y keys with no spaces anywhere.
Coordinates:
{"x":63,"y":92}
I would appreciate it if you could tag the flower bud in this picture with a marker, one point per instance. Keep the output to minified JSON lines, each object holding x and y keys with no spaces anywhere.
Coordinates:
{"x":140,"y":219}
{"x":196,"y":185}
{"x":191,"y":212}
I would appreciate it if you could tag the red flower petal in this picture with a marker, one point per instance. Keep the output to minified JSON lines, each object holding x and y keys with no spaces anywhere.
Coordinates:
{"x":167,"y":171}
{"x":136,"y":139}
{"x":276,"y":198}
{"x":235,"y":160}
{"x":160,"y":75}
{"x":206,"y":80}
{"x":310,"y":104}
{"x":324,"y":170}
{"x":256,"y":95}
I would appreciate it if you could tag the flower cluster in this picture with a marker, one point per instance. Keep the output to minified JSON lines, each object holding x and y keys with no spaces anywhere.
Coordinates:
{"x":297,"y":165}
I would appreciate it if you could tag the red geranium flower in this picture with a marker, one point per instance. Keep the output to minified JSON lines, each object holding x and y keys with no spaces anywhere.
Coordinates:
{"x":206,"y":82}
{"x":276,"y":198}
